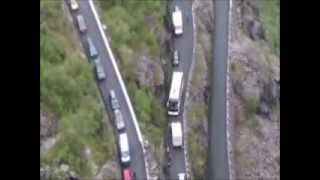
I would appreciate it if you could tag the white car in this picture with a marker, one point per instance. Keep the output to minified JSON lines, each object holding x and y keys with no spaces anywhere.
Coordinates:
{"x":74,"y":5}
{"x":181,"y":176}
{"x":176,"y":58}
{"x":101,"y":75}
{"x":114,"y":101}
{"x":124,"y":148}
{"x":119,"y":119}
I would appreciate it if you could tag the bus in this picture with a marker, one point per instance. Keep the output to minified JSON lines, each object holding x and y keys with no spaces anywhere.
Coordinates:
{"x":173,"y":103}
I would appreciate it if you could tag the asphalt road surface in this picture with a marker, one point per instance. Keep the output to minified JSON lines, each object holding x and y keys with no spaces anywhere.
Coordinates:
{"x":217,"y":168}
{"x":111,"y":82}
{"x":184,"y":44}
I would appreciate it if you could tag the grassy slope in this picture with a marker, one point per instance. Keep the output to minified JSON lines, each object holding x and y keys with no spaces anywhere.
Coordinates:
{"x":69,"y":91}
{"x":270,"y":15}
{"x":130,"y":36}
{"x":196,"y":114}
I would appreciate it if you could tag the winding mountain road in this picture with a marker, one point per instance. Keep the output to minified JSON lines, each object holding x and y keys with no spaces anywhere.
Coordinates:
{"x":218,"y":167}
{"x":113,"y":81}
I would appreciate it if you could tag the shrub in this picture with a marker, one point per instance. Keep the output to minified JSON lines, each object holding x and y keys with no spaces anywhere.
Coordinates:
{"x":251,"y":105}
{"x":270,"y":15}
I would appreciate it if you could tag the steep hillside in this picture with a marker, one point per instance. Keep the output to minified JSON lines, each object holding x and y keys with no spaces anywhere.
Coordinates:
{"x":255,"y":90}
{"x":254,"y":86}
{"x":75,"y":138}
{"x":137,"y":36}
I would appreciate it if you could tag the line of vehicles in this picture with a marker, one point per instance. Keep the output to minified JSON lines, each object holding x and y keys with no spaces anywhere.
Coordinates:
{"x":89,"y":45}
{"x":123,"y":143}
{"x":176,"y":88}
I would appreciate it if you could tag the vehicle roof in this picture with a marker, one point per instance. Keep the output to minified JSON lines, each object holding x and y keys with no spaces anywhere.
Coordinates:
{"x":176,"y":129}
{"x":118,"y":113}
{"x":112,"y":93}
{"x":79,"y":16}
{"x":177,"y":17}
{"x":123,"y":139}
{"x":127,"y":174}
{"x":90,"y":41}
{"x":175,"y":85}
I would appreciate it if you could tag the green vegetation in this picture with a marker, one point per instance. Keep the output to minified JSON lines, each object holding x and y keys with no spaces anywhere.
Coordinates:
{"x":68,"y":90}
{"x":270,"y":14}
{"x":134,"y":23}
{"x":197,"y":151}
{"x":133,"y":26}
{"x":252,"y":103}
{"x":150,"y":113}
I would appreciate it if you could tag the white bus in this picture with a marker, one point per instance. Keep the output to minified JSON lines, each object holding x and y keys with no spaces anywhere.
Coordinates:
{"x":175,"y":94}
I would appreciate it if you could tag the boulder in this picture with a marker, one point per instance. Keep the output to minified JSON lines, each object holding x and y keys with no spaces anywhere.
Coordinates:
{"x":255,"y":30}
{"x":271,"y":93}
{"x":264,"y":109}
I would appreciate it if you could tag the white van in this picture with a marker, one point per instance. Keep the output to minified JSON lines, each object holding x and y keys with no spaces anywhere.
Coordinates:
{"x":176,"y":132}
{"x":124,"y":148}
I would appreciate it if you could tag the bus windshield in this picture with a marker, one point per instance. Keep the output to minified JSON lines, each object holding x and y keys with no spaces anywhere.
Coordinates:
{"x":173,"y":105}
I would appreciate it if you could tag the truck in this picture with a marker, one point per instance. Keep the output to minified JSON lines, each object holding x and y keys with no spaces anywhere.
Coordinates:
{"x":177,"y":21}
{"x":176,"y":132}
{"x":173,"y":103}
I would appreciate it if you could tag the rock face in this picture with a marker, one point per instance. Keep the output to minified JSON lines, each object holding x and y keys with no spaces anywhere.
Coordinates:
{"x":255,"y":30}
{"x":109,"y":171}
{"x":62,"y":172}
{"x":250,"y":20}
{"x":48,"y":126}
{"x":254,"y":98}
{"x":48,"y":129}
{"x":149,"y":72}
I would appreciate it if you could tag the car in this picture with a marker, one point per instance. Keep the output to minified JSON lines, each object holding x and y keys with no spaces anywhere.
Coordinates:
{"x":81,"y":24}
{"x":128,"y":174}
{"x":101,"y":75}
{"x":124,"y":149}
{"x":114,"y":101}
{"x":181,"y":176}
{"x":119,"y":119}
{"x":93,"y":53}
{"x":74,"y":5}
{"x":176,"y":57}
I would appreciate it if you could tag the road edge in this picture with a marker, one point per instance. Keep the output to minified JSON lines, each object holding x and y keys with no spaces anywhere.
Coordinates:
{"x":185,"y":139}
{"x":229,"y":146}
